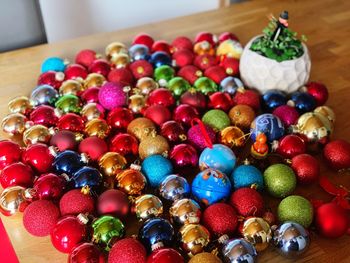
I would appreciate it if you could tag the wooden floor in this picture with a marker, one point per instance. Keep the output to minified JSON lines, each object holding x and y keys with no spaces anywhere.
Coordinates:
{"x":326,"y":23}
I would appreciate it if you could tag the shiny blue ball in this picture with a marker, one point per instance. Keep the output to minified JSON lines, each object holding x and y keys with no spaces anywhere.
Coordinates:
{"x":268,"y":124}
{"x":68,"y":162}
{"x":160,"y":58}
{"x":272,"y":99}
{"x":156,"y":168}
{"x":245,"y":176}
{"x":303,"y":102}
{"x":139,"y":52}
{"x":44,"y":94}
{"x":238,"y":251}
{"x":54,"y":64}
{"x":87,"y":176}
{"x":230,"y":85}
{"x":174,"y":187}
{"x":211,"y":186}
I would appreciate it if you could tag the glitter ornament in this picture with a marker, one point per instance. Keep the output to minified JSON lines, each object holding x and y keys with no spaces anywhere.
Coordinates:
{"x":306,"y":168}
{"x":190,"y":73}
{"x":174,"y":187}
{"x":10,"y":152}
{"x":121,"y":76}
{"x":205,"y":257}
{"x":141,"y":128}
{"x":247,"y":175}
{"x":85,"y":57}
{"x":147,"y":206}
{"x":217,"y":119}
{"x":152,"y":145}
{"x":184,"y":155}
{"x":164,"y":255}
{"x":184,"y":114}
{"x":247,"y":202}
{"x":268,"y":124}
{"x":196,"y":137}
{"x":111,"y":95}
{"x":318,"y":91}
{"x":173,"y":132}
{"x":193,"y":238}
{"x":247,"y":97}
{"x":232,"y":136}
{"x":257,"y":232}
{"x":94,"y":147}
{"x":113,"y":202}
{"x":17,"y":174}
{"x":194,"y":98}
{"x":20,"y":104}
{"x":205,"y":61}
{"x":156,"y":168}
{"x":159,"y":114}
{"x":76,"y":201}
{"x":215,"y":73}
{"x":242,"y":116}
{"x":239,"y":250}
{"x":185,"y":211}
{"x":39,"y":156}
{"x":337,"y":154}
{"x":127,"y":250}
{"x":71,"y":122}
{"x":53,"y":64}
{"x":290,"y":145}
{"x":231,"y":85}
{"x":280,"y":180}
{"x":141,"y":69}
{"x":287,"y":114}
{"x":205,"y":85}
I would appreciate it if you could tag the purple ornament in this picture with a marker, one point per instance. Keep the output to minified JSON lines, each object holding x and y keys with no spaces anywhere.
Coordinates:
{"x":196,"y":137}
{"x":287,"y":114}
{"x":111,"y":95}
{"x":184,"y":155}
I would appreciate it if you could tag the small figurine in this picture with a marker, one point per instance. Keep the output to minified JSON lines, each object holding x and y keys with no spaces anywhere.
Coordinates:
{"x":282,"y":23}
{"x":260,"y":149}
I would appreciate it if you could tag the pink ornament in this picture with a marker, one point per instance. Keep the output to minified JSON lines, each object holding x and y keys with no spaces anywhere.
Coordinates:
{"x":196,"y":137}
{"x":184,"y":155}
{"x":111,"y":95}
{"x":287,"y":114}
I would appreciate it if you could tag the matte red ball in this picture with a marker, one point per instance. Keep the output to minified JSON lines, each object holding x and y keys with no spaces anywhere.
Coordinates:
{"x":141,"y":69}
{"x":184,"y":114}
{"x":85,"y":57}
{"x":121,"y":75}
{"x":127,"y":250}
{"x":113,"y":202}
{"x":319,"y":91}
{"x":220,"y":219}
{"x":10,"y":152}
{"x":67,"y":233}
{"x":195,"y":99}
{"x":182,"y":42}
{"x":39,"y":157}
{"x":205,"y":36}
{"x":248,"y":97}
{"x":75,"y":71}
{"x":161,"y":45}
{"x":230,"y":65}
{"x":125,"y":144}
{"x":144,"y":39}
{"x":100,"y":66}
{"x":64,"y":140}
{"x":94,"y":147}
{"x":226,"y":36}
{"x":90,"y":95}
{"x":17,"y":174}
{"x":52,"y":78}
{"x":183,"y":57}
{"x":75,"y":202}
{"x":205,"y":61}
{"x":72,"y":122}
{"x":291,"y":145}
{"x":157,"y":113}
{"x":40,"y":217}
{"x":44,"y":115}
{"x":161,"y":96}
{"x":184,"y":155}
{"x":247,"y":202}
{"x":337,"y":154}
{"x":332,"y":221}
{"x":216,"y":73}
{"x":306,"y":168}
{"x":220,"y":100}
{"x":173,"y":131}
{"x":49,"y":186}
{"x":86,"y":253}
{"x":190,"y":73}
{"x":165,"y":255}
{"x":119,"y":118}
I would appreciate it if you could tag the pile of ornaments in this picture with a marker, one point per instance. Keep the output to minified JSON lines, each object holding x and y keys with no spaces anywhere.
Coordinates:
{"x":165,"y":138}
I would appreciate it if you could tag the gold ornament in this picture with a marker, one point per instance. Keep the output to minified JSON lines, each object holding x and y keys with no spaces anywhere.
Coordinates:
{"x":203,"y":47}
{"x":136,"y":103}
{"x":141,"y":128}
{"x":146,"y":85}
{"x":92,"y":111}
{"x":258,"y":232}
{"x":97,"y":127}
{"x":147,"y":206}
{"x":94,"y":80}
{"x":36,"y":134}
{"x":327,"y":112}
{"x":185,"y":211}
{"x":131,"y":181}
{"x":229,"y":48}
{"x":71,"y":86}
{"x":21,"y":105}
{"x":205,"y":257}
{"x":121,"y":60}
{"x":112,"y":163}
{"x":232,"y":136}
{"x":194,"y":238}
{"x":153,"y":144}
{"x":114,"y":49}
{"x":14,"y":123}
{"x":12,"y":200}
{"x":242,"y":116}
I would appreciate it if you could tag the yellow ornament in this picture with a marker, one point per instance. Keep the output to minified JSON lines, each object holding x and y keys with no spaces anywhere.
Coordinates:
{"x":204,"y":47}
{"x":14,"y":123}
{"x":141,"y":128}
{"x":21,"y":105}
{"x":113,"y":49}
{"x":36,"y":134}
{"x":194,"y":238}
{"x":229,"y":48}
{"x":92,"y":111}
{"x":131,"y":181}
{"x":94,"y":80}
{"x":153,"y":144}
{"x":205,"y":257}
{"x":71,"y":86}
{"x":242,"y":116}
{"x":146,"y":85}
{"x":258,"y":232}
{"x":232,"y":136}
{"x":97,"y":127}
{"x":147,"y":206}
{"x":12,"y":200}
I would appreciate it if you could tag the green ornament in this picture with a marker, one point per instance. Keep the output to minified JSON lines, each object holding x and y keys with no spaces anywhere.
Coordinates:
{"x":68,"y":103}
{"x":217,"y":119}
{"x":178,"y":86}
{"x":163,"y":74}
{"x":297,"y":209}
{"x":280,"y":180}
{"x":106,"y":230}
{"x":205,"y":85}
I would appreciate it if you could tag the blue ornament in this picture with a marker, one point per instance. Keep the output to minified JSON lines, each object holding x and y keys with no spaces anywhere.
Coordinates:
{"x":269,"y":124}
{"x":138,"y":52}
{"x":155,"y":233}
{"x":272,"y":99}
{"x":44,"y":94}
{"x":238,"y":251}
{"x":160,"y":58}
{"x":246,"y":176}
{"x":174,"y":187}
{"x":68,"y":162}
{"x":156,"y":168}
{"x":303,"y":102}
{"x":54,"y":64}
{"x":230,"y":85}
{"x":87,"y":176}
{"x":211,"y":186}
{"x":220,"y":157}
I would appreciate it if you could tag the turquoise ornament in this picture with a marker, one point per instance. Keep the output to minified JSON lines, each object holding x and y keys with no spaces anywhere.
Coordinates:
{"x":247,"y":175}
{"x":53,"y":64}
{"x":156,"y":168}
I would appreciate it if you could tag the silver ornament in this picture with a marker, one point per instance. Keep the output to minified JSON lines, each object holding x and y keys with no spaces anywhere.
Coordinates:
{"x":231,"y":84}
{"x":44,"y":94}
{"x":138,"y":52}
{"x":174,"y":187}
{"x":239,"y":251}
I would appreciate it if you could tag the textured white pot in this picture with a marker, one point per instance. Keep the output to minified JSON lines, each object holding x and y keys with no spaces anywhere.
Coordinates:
{"x":261,"y":73}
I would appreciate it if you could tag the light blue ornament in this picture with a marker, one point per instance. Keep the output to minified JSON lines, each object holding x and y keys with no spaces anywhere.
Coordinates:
{"x":211,"y":186}
{"x":44,"y":94}
{"x":174,"y":187}
{"x":246,"y":176}
{"x":268,"y":124}
{"x":54,"y":64}
{"x":156,"y":168}
{"x":220,"y":157}
{"x":139,"y":52}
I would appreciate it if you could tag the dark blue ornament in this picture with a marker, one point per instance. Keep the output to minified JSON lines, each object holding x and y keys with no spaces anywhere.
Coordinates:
{"x":268,"y":124}
{"x":160,"y":58}
{"x":87,"y":176}
{"x":139,"y":52}
{"x":246,"y":176}
{"x":155,"y":233}
{"x":272,"y":99}
{"x":68,"y":162}
{"x":303,"y":102}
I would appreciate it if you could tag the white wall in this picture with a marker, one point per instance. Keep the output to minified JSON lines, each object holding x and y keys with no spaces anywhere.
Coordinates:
{"x":64,"y":19}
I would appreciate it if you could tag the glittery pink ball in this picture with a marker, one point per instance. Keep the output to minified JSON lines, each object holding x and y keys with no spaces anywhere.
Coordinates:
{"x":196,"y":137}
{"x":287,"y":114}
{"x":111,"y":95}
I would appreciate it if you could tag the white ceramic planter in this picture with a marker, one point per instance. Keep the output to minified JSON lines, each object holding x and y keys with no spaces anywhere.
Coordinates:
{"x":261,"y":73}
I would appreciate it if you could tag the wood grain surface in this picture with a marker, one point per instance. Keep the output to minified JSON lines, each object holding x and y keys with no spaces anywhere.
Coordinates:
{"x":324,"y":22}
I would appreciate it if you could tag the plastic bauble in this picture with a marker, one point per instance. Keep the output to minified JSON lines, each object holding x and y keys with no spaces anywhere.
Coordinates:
{"x":71,"y":122}
{"x":10,"y":152}
{"x":165,"y":255}
{"x":94,"y":80}
{"x":75,"y":71}
{"x":44,"y":115}
{"x":174,"y":187}
{"x":197,"y":139}
{"x":306,"y":168}
{"x":182,"y":42}
{"x":205,"y":61}
{"x":159,"y":114}
{"x":111,"y":163}
{"x":205,"y":85}
{"x":100,"y":66}
{"x":43,"y":94}
{"x":239,"y":250}
{"x":290,"y":145}
{"x":68,"y":103}
{"x":139,"y":52}
{"x":77,"y":201}
{"x":125,"y":144}
{"x":184,"y":155}
{"x":190,"y":73}
{"x":173,"y":131}
{"x":119,"y":118}
{"x":327,"y":112}
{"x":86,"y":252}
{"x":98,"y":128}
{"x":92,"y":111}
{"x":113,"y":49}
{"x":302,"y":101}
{"x":13,"y":200}
{"x":68,"y":162}
{"x":287,"y":114}
{"x":52,"y":78}
{"x":183,"y":58}
{"x":141,"y":69}
{"x":247,"y":97}
{"x":337,"y":154}
{"x":215,"y":73}
{"x":268,"y":124}
{"x":161,"y":45}
{"x":318,"y":91}
{"x":297,"y":209}
{"x":48,"y":186}
{"x":194,"y":238}
{"x":219,"y":157}
{"x":220,"y":100}
{"x":272,"y":99}
{"x":156,"y":168}
{"x":36,"y":134}
{"x":137,"y":102}
{"x":85,"y":57}
{"x":94,"y":147}
{"x":230,"y":85}
{"x":185,"y":211}
{"x":205,"y":257}
{"x":111,"y":95}
{"x":39,"y":156}
{"x":90,"y":95}
{"x":246,"y":176}
{"x":106,"y":230}
{"x":68,"y":232}
{"x":163,"y":74}
{"x":178,"y":86}
{"x":229,"y":48}
{"x":194,"y":98}
{"x":88,"y":177}
{"x":14,"y":124}
{"x":160,"y":58}
{"x":161,"y":96}
{"x":156,"y":233}
{"x":184,"y":114}
{"x":113,"y":202}
{"x":217,"y":119}
{"x":141,"y":128}
{"x":257,"y":232}
{"x":147,"y":206}
{"x":291,"y":239}
{"x":280,"y":180}
{"x":154,"y":144}
{"x":232,"y":136}
{"x":127,"y":250}
{"x":17,"y":174}
{"x":211,"y":186}
{"x":20,"y":104}
{"x":247,"y":202}
{"x":131,"y":181}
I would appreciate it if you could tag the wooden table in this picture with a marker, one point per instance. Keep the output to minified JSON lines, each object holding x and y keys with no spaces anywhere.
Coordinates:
{"x":325,"y":23}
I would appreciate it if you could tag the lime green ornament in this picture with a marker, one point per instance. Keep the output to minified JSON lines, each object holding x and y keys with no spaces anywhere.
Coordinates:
{"x":106,"y":230}
{"x":280,"y":180}
{"x":69,"y":103}
{"x":205,"y":85}
{"x":178,"y":86}
{"x":217,"y":119}
{"x":163,"y":74}
{"x":297,"y":209}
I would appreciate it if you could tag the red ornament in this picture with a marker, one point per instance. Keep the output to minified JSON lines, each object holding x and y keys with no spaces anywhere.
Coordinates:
{"x":113,"y":202}
{"x":337,"y":154}
{"x":287,"y":114}
{"x":230,"y":65}
{"x":44,"y":115}
{"x":10,"y":152}
{"x":71,"y":122}
{"x":141,"y":69}
{"x":247,"y":202}
{"x":190,"y":73}
{"x":227,"y":35}
{"x":40,"y":217}
{"x":39,"y":157}
{"x":17,"y":174}
{"x":182,"y":43}
{"x":216,"y":73}
{"x":184,"y":155}
{"x":205,"y":61}
{"x":127,"y":250}
{"x":291,"y":145}
{"x":49,"y":186}
{"x":52,"y":78}
{"x":94,"y":147}
{"x":173,"y":131}
{"x":220,"y":219}
{"x":143,"y":39}
{"x":86,"y":253}
{"x":183,"y":57}
{"x":194,"y":98}
{"x":332,"y":221}
{"x":269,"y":217}
{"x":75,"y":71}
{"x":119,"y":118}
{"x":318,"y":91}
{"x":157,"y":113}
{"x":184,"y":114}
{"x":100,"y":66}
{"x":75,"y":202}
{"x":306,"y":168}
{"x":90,"y":95}
{"x":165,"y":255}
{"x":161,"y":45}
{"x":64,"y":140}
{"x":85,"y":57}
{"x":121,"y":75}
{"x":220,"y":100}
{"x":67,"y":233}
{"x":125,"y":144}
{"x":161,"y":96}
{"x":247,"y":97}
{"x":205,"y":36}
